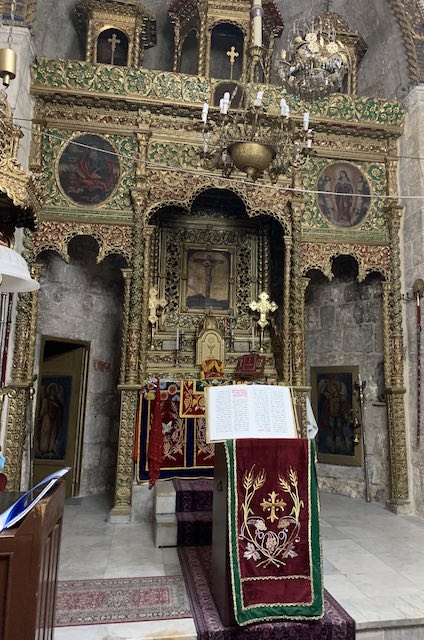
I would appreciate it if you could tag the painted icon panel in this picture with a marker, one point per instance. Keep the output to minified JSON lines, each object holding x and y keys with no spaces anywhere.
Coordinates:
{"x":344,"y":194}
{"x":88,"y":170}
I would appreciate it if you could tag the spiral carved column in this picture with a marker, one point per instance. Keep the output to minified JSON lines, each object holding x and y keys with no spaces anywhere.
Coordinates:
{"x":286,"y":310}
{"x":131,"y":334}
{"x":395,"y":392}
{"x":21,"y":382}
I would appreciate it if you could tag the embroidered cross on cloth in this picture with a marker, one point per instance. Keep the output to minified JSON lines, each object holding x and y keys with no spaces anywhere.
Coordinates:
{"x":273,"y":521}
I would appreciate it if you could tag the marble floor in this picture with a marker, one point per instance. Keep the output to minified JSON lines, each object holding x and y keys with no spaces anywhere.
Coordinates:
{"x":373,"y":565}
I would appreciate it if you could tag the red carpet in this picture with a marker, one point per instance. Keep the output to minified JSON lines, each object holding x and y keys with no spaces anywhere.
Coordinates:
{"x":81,"y":602}
{"x":196,"y":564}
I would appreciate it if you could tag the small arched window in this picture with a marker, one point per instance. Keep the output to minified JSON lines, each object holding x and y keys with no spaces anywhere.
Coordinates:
{"x":112,"y":47}
{"x":227,"y":42}
{"x":189,"y":54}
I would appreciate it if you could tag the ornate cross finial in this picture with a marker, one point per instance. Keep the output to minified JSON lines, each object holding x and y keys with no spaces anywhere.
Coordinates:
{"x":264,"y":307}
{"x":232,"y":54}
{"x":155,"y":303}
{"x":113,"y":41}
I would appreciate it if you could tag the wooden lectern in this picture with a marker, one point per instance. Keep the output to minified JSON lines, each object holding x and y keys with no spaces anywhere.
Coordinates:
{"x":28,"y":571}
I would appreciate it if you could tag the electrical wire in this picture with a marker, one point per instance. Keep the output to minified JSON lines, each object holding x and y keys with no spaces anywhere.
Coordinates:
{"x":231,"y":180}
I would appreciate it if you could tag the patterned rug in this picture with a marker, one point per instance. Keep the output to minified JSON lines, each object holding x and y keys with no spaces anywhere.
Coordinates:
{"x":196,"y":565}
{"x":81,"y":602}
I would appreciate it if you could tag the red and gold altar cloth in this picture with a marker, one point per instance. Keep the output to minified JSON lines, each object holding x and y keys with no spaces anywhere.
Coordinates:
{"x":186,"y":453}
{"x":273,"y":521}
{"x":192,"y":404}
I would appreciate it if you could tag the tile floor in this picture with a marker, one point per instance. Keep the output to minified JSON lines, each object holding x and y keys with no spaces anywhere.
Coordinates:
{"x":373,"y":565}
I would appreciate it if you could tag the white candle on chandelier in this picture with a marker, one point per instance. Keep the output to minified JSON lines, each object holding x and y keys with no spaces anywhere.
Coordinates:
{"x":205,"y":112}
{"x":225,"y":103}
{"x":257,"y":12}
{"x":258,"y":100}
{"x":306,"y":120}
{"x":178,"y":339}
{"x":284,"y":108}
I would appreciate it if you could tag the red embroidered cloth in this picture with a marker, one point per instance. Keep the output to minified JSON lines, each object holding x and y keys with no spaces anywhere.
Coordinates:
{"x":155,"y":452}
{"x":273,"y":524}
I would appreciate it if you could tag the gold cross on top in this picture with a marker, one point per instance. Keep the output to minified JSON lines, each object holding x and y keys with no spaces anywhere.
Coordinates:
{"x":232,"y":54}
{"x":273,"y":505}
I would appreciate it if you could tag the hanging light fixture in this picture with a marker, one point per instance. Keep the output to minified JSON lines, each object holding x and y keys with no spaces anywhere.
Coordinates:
{"x":252,"y":139}
{"x":315,"y":62}
{"x":246,"y":134}
{"x":14,"y":273}
{"x":7,"y":55}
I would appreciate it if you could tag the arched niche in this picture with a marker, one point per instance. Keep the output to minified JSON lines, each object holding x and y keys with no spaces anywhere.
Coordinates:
{"x":224,"y":36}
{"x":112,"y":47}
{"x":344,"y":339}
{"x":81,"y":301}
{"x":189,"y":54}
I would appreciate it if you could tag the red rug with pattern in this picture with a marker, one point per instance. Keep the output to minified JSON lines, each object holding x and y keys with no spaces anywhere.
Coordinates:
{"x":82,"y":602}
{"x":336,"y":624}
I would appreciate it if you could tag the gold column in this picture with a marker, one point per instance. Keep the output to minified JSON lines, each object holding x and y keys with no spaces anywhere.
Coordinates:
{"x":286,"y":310}
{"x":131,"y":386}
{"x":144,"y":343}
{"x":297,"y":299}
{"x":203,"y":62}
{"x":297,"y":312}
{"x":126,"y":273}
{"x":395,"y":392}
{"x":21,"y":382}
{"x":177,"y":47}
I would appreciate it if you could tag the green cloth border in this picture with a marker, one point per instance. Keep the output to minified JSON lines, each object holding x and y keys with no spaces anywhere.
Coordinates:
{"x":315,"y":610}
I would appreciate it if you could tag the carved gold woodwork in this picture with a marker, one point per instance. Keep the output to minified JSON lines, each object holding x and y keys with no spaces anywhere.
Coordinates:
{"x":156,"y":109}
{"x":124,"y":466}
{"x":128,"y":16}
{"x":179,"y":189}
{"x":369,"y":258}
{"x":55,"y":236}
{"x":21,"y":381}
{"x":127,"y":274}
{"x":22,"y":190}
{"x":202,"y":16}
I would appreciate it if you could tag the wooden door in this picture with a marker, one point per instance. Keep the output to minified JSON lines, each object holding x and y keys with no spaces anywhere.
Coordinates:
{"x":59,"y":415}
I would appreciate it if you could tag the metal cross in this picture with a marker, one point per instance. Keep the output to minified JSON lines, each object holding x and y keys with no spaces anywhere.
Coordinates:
{"x":232,"y":54}
{"x":155,"y":303}
{"x":273,"y":505}
{"x":113,"y":41}
{"x":264,"y":307}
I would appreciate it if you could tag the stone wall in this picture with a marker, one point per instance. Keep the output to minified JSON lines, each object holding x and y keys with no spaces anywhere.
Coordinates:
{"x":411,"y":185}
{"x":83,"y":301}
{"x":344,"y":327}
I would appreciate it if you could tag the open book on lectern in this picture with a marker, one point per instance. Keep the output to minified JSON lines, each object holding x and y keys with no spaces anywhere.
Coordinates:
{"x":250,"y":411}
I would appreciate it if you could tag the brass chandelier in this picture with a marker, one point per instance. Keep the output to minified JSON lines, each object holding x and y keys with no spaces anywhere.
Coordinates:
{"x":252,"y":138}
{"x":315,"y":62}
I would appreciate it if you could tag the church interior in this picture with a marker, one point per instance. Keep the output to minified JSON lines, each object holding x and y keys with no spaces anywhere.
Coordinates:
{"x":203,"y":193}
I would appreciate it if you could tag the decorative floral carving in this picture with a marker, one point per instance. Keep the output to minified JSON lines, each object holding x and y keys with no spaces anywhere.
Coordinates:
{"x":369,"y":258}
{"x":112,"y":239}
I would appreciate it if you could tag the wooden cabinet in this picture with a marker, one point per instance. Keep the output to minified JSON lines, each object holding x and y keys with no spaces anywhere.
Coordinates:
{"x":29,"y":557}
